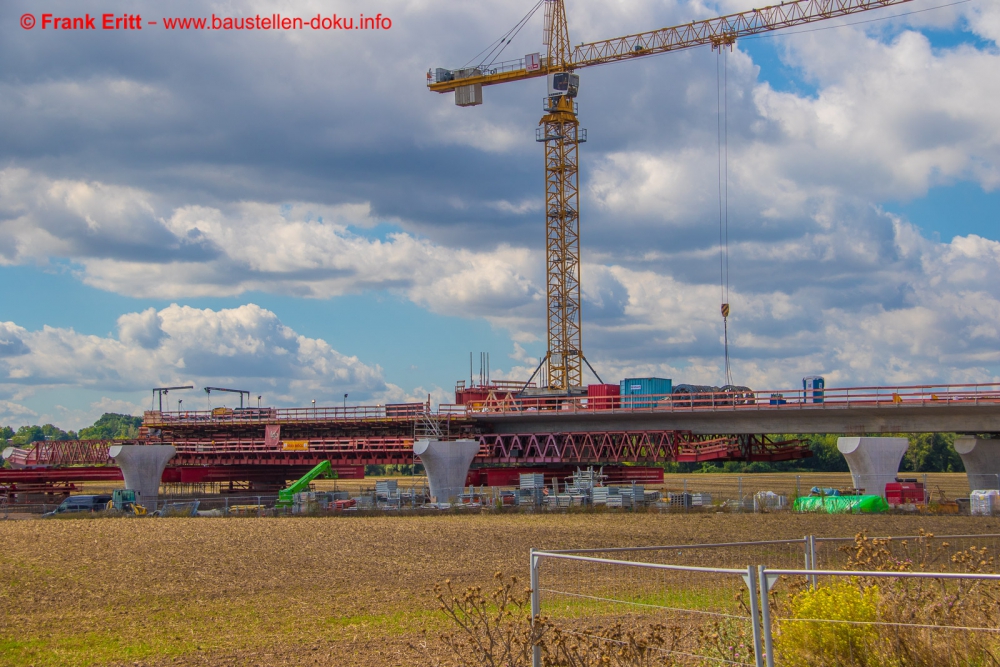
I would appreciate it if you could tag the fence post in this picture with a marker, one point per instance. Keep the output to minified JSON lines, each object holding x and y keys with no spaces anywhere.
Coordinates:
{"x":798,"y":492}
{"x":805,"y":552}
{"x":812,"y":559}
{"x":765,"y":614}
{"x":751,"y":582}
{"x":739,"y":481}
{"x":536,"y":610}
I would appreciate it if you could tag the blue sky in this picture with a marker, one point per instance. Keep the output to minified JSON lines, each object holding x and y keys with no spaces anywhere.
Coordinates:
{"x":294,"y":214}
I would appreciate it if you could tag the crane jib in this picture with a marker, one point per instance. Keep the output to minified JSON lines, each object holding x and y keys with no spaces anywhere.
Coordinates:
{"x":722,"y":29}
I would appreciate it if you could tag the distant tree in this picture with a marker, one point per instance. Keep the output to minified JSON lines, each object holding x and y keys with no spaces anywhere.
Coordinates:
{"x":6,"y":433}
{"x":932,"y":452}
{"x":55,"y":433}
{"x":826,"y":457}
{"x":27,"y":435}
{"x":112,"y":426}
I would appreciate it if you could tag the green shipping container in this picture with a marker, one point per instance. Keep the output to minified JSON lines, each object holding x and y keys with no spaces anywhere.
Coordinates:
{"x":635,"y":392}
{"x":841,"y":504}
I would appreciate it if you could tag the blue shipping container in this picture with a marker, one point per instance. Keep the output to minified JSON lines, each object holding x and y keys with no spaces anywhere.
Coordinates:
{"x":644,"y":387}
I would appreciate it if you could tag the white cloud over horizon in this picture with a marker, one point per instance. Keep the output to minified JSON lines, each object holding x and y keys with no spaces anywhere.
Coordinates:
{"x":245,"y":347}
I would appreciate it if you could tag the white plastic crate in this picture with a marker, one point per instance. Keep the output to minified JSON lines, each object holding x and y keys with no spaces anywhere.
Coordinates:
{"x":984,"y":503}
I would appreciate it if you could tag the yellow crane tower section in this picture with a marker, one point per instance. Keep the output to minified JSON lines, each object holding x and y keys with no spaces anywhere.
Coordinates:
{"x":560,"y":131}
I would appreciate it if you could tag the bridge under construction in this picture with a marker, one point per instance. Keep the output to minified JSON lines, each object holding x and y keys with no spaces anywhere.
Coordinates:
{"x":633,"y":436}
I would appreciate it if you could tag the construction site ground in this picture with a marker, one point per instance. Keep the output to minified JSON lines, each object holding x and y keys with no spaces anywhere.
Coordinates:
{"x":953,"y":485}
{"x":311,"y":590}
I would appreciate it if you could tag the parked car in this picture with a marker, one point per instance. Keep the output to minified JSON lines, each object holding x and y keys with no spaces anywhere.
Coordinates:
{"x":81,"y":504}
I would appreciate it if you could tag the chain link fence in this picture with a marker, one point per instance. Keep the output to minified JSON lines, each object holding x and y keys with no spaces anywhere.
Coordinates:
{"x":814,"y":598}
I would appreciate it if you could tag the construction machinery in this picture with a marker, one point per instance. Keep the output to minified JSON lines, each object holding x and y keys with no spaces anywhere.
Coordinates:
{"x":126,"y":501}
{"x":285,"y":496}
{"x":560,"y":132}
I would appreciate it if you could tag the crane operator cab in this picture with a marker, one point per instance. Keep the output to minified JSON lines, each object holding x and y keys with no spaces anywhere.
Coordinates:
{"x":564,"y":84}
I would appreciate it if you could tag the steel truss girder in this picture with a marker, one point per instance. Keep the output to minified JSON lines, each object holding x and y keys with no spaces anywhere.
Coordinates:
{"x":646,"y":446}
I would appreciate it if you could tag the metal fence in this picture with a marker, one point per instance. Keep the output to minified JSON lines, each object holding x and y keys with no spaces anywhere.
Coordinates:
{"x":723,"y":610}
{"x":219,"y":502}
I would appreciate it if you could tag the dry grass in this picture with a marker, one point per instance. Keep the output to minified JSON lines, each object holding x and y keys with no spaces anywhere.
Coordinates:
{"x":311,"y":591}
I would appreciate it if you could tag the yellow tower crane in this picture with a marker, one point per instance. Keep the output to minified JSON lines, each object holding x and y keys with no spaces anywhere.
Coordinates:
{"x":560,"y":131}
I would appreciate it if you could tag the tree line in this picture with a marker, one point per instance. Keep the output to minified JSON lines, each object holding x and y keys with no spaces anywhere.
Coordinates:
{"x":110,"y":426}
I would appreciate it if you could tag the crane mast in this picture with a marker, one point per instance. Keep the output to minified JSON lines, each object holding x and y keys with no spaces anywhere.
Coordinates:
{"x":559,"y":129}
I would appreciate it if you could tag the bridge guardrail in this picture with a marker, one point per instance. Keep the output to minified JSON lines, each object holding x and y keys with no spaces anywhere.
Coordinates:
{"x":744,"y":400}
{"x":506,"y":400}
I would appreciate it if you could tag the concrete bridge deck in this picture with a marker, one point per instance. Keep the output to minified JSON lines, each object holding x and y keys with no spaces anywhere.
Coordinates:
{"x":821,"y":418}
{"x":917,"y":409}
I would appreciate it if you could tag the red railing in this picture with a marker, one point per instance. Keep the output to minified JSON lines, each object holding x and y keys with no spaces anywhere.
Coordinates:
{"x":409,"y":412}
{"x":787,"y":399}
{"x":510,"y":403}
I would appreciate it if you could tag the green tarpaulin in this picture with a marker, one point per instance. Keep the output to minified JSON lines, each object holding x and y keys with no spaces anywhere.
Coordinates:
{"x":841,"y":504}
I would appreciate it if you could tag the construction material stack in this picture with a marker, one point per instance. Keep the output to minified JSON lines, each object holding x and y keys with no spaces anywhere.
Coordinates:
{"x":531,"y":488}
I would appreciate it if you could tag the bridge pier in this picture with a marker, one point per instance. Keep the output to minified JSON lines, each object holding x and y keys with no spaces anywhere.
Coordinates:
{"x":142,"y":467}
{"x":981,"y":457}
{"x":447,"y":464}
{"x":874,"y":462}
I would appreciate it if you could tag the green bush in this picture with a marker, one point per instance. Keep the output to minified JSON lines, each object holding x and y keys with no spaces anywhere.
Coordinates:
{"x":809,"y":643}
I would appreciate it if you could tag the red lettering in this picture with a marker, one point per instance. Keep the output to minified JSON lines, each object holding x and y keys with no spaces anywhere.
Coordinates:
{"x":46,"y":20}
{"x":107,"y":21}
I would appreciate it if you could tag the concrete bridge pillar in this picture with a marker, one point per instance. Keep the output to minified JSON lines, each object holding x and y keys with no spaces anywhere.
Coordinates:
{"x":981,"y":457}
{"x":447,"y":464}
{"x":142,"y":467}
{"x":874,"y":462}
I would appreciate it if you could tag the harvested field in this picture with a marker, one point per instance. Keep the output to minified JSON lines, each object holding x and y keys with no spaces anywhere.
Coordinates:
{"x":309,"y":591}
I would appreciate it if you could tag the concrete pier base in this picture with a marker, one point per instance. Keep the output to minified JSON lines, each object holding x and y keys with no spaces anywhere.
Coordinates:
{"x":981,"y":457}
{"x":142,"y":467}
{"x":447,"y":464}
{"x":874,"y":462}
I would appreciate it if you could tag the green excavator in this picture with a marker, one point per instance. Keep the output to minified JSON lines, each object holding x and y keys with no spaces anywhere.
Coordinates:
{"x":324,"y":469}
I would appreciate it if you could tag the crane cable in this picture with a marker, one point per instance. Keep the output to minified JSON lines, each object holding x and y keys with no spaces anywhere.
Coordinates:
{"x":492,"y":52}
{"x":722,"y":127}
